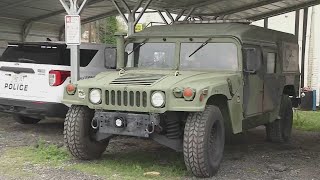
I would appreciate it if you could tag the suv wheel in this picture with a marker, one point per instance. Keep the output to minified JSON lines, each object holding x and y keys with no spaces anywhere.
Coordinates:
{"x":78,"y":134}
{"x":203,"y":141}
{"x":25,"y":120}
{"x":279,"y":131}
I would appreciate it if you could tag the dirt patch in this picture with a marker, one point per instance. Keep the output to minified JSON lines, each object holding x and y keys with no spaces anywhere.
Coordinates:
{"x":253,"y":158}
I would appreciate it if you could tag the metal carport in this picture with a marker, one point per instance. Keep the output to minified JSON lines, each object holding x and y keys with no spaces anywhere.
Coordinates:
{"x":32,"y":20}
{"x":23,"y":19}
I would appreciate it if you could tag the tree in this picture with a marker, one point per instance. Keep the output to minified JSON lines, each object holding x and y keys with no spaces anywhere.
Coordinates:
{"x":107,"y":28}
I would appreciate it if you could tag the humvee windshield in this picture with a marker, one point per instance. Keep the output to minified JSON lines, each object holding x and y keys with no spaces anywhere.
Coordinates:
{"x":193,"y":56}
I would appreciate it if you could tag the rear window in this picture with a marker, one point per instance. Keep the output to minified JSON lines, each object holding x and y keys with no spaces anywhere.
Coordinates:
{"x":43,"y":54}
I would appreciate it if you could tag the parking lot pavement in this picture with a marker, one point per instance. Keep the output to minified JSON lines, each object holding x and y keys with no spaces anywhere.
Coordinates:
{"x":253,"y":158}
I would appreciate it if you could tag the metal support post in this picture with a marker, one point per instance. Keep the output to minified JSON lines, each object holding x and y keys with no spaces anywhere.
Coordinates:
{"x":189,"y":14}
{"x":74,"y":9}
{"x":180,"y":14}
{"x":162,"y":17}
{"x":304,"y":40}
{"x":131,"y":21}
{"x":297,"y":24}
{"x":266,"y":23}
{"x":169,"y":15}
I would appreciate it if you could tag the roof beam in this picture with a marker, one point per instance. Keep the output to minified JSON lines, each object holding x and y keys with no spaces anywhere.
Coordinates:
{"x":284,"y":10}
{"x":241,"y":9}
{"x":54,"y":13}
{"x":98,"y":17}
{"x":204,"y":3}
{"x":14,"y":4}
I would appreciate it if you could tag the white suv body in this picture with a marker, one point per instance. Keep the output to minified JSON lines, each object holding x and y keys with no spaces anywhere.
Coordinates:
{"x":33,"y":76}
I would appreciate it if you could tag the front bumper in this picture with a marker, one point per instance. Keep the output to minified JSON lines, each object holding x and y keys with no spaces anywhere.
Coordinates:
{"x":140,"y":125}
{"x":33,"y":108}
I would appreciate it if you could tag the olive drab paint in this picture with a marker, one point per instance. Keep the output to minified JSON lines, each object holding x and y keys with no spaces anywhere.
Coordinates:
{"x":253,"y":94}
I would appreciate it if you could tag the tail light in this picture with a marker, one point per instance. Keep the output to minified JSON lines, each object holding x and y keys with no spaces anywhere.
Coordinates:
{"x":56,"y":77}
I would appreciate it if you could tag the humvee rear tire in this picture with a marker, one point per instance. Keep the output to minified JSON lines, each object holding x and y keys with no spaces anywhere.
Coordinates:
{"x":78,"y":134}
{"x":279,"y":131}
{"x":203,"y":142}
{"x":25,"y":120}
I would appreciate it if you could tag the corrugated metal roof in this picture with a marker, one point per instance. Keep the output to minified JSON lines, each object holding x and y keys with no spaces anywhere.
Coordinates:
{"x":51,"y":11}
{"x":47,"y":16}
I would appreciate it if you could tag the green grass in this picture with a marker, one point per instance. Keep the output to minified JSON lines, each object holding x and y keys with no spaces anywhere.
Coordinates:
{"x":132,"y":165}
{"x":115,"y":165}
{"x":307,"y":120}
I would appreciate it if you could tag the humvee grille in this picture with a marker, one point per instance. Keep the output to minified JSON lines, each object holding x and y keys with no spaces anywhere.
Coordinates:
{"x":138,"y":79}
{"x":126,"y":98}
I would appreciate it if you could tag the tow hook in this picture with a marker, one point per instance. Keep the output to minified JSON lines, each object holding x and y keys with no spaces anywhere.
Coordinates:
{"x":95,"y":123}
{"x":152,"y":128}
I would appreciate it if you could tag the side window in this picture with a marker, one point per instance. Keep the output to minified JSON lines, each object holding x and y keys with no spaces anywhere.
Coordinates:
{"x":271,"y":62}
{"x":252,"y":58}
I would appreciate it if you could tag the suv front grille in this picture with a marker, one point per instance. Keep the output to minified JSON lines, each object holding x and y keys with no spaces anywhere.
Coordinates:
{"x":137,"y":79}
{"x":126,"y":98}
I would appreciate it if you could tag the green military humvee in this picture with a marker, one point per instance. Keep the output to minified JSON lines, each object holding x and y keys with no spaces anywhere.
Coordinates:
{"x":188,"y":85}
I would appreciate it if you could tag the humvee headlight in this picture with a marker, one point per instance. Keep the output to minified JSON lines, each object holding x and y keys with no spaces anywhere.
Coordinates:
{"x":158,"y":99}
{"x":95,"y":96}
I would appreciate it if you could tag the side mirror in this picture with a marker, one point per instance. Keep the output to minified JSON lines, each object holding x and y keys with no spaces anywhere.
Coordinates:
{"x":110,"y":58}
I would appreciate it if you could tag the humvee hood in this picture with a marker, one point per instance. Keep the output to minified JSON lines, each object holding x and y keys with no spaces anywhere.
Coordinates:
{"x":159,"y":79}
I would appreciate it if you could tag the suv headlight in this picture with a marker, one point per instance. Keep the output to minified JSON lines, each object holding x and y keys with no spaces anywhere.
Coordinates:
{"x":158,"y":99}
{"x":95,"y":96}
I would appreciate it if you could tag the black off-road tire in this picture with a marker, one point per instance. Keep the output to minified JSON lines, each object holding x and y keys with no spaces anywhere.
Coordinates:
{"x":203,"y":142}
{"x":25,"y":120}
{"x":78,"y":134}
{"x":279,"y":131}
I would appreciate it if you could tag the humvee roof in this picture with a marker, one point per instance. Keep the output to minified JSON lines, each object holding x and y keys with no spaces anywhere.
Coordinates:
{"x":243,"y":32}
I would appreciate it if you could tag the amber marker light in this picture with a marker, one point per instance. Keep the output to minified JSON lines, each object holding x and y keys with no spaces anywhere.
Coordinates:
{"x":71,"y":89}
{"x":188,"y":94}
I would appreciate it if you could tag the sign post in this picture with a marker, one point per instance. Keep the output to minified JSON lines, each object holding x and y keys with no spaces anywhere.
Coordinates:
{"x":73,"y":34}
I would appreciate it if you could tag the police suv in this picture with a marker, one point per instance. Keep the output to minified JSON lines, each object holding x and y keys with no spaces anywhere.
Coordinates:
{"x":33,"y":76}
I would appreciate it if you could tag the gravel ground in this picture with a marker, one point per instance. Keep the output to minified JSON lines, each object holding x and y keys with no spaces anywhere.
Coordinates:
{"x":251,"y":158}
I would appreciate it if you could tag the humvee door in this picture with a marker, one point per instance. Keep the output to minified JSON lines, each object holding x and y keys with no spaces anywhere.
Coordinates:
{"x":253,"y":81}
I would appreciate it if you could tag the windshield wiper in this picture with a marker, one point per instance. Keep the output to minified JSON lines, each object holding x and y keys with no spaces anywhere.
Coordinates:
{"x":139,"y":46}
{"x":200,"y":47}
{"x":25,"y":60}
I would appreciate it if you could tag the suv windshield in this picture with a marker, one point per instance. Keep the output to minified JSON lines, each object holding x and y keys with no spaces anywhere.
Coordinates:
{"x":153,"y":55}
{"x":216,"y":56}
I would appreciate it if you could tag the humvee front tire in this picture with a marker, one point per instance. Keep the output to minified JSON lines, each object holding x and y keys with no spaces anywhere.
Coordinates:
{"x":25,"y":120}
{"x":279,"y":131}
{"x":203,"y":142}
{"x":78,"y":134}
